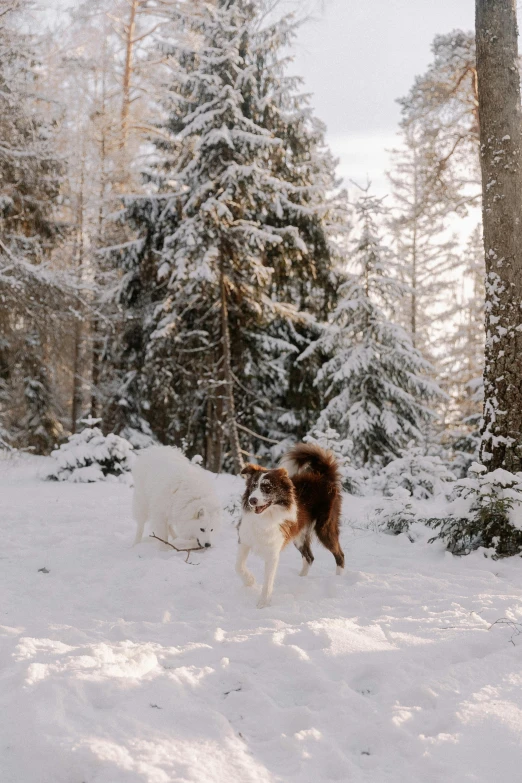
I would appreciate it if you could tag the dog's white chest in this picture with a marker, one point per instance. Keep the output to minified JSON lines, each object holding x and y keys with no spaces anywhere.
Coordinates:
{"x":262,"y":532}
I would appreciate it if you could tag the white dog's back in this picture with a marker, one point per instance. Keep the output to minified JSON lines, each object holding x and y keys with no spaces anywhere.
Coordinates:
{"x":171,"y":492}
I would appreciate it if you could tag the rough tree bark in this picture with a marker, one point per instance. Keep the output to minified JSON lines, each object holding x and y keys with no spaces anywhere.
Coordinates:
{"x":233,"y":434}
{"x":500,"y":121}
{"x":215,"y":432}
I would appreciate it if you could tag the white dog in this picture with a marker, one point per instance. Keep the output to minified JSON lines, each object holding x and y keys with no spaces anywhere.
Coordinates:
{"x":175,"y":496}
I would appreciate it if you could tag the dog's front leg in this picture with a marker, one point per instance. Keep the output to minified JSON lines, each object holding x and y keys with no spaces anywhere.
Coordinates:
{"x":271,"y":563}
{"x":160,"y":526}
{"x":246,"y":575}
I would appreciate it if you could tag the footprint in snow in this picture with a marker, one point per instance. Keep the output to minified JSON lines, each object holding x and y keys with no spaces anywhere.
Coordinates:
{"x":366,"y":683}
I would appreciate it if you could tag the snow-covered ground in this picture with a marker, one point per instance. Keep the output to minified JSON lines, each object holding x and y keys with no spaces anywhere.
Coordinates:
{"x":128,"y":665}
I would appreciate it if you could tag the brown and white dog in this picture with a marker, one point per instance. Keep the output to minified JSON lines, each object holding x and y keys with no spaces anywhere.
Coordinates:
{"x":287,"y":504}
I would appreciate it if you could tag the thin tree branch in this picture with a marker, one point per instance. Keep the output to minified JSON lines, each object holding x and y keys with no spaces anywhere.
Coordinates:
{"x":255,"y":435}
{"x":188,"y":551}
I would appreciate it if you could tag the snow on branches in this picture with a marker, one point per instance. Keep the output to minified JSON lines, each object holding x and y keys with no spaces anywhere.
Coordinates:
{"x":91,"y":456}
{"x":375,"y":382}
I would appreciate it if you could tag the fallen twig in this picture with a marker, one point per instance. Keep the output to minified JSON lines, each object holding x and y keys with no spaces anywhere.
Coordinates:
{"x":232,"y":690}
{"x":188,"y":551}
{"x":515,"y":627}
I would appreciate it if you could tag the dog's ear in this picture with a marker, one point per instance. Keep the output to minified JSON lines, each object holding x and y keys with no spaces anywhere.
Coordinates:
{"x":200,"y":513}
{"x":249,"y":469}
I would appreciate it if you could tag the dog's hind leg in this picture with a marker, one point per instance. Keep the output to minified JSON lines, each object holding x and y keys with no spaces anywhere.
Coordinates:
{"x":329,"y":538}
{"x":271,"y":564}
{"x":306,"y":552}
{"x":140,"y":513}
{"x":241,"y":569}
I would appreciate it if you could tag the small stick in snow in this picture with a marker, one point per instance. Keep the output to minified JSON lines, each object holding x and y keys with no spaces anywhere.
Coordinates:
{"x":188,"y":551}
{"x":515,"y":627}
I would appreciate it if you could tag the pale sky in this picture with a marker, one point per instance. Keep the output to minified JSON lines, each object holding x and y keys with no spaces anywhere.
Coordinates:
{"x":357,"y":57}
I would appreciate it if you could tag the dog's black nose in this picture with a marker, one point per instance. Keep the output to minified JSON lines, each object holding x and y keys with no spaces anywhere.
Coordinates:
{"x":207,"y":544}
{"x":252,"y":501}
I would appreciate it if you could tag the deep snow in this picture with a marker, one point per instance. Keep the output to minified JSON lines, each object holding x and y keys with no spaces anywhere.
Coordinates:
{"x":126,"y":664}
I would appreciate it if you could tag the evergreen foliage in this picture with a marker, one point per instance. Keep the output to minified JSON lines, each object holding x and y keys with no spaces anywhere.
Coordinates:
{"x":40,"y":426}
{"x":486,"y":512}
{"x":426,"y":257}
{"x":397,"y":514}
{"x":90,"y":456}
{"x":232,"y":260}
{"x":436,"y":174}
{"x":422,"y":475}
{"x":463,"y":363}
{"x":375,"y":382}
{"x":29,"y":189}
{"x":441,"y":111}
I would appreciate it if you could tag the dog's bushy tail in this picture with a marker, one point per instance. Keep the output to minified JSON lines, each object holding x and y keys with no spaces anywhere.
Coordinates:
{"x":307,"y":457}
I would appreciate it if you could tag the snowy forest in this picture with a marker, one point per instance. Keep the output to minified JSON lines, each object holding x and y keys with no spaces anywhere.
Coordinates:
{"x":180,"y":262}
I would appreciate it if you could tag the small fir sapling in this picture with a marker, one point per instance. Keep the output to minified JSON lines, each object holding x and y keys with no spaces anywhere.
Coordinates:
{"x":90,"y":456}
{"x":486,"y":512}
{"x":413,"y":477}
{"x":422,"y":475}
{"x":397,"y":514}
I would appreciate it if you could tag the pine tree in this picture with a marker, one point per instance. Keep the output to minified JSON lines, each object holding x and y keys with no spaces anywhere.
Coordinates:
{"x":305,"y":273}
{"x":375,"y":384}
{"x":464,"y":361}
{"x":441,"y":109}
{"x":29,"y":190}
{"x":40,"y":425}
{"x":440,"y":120}
{"x":427,"y":257}
{"x":210,"y":294}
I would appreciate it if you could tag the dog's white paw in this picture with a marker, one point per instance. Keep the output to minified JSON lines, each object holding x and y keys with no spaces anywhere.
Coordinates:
{"x":339,"y":571}
{"x":249,"y":579}
{"x":263,"y":602}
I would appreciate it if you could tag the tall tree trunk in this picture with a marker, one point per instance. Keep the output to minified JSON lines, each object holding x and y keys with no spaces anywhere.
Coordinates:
{"x":96,"y":336}
{"x":500,"y":156}
{"x":414,"y":305}
{"x":413,"y":323}
{"x":233,"y":434}
{"x":130,"y":30}
{"x":214,"y":443}
{"x":77,"y":393}
{"x":95,"y":365}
